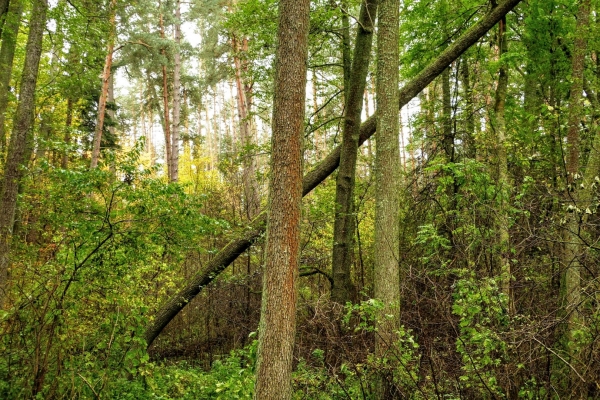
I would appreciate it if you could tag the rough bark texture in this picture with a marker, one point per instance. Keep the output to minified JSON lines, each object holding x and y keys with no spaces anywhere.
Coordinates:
{"x":237,"y":246}
{"x":17,"y":150}
{"x":387,"y":188}
{"x":277,"y":328}
{"x":105,"y":82}
{"x":344,"y":224}
{"x":174,"y":177}
{"x":571,"y":263}
{"x":12,"y":20}
{"x":501,"y":216}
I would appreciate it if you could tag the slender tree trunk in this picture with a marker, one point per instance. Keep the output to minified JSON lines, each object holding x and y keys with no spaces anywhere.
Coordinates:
{"x":344,"y":227}
{"x":346,"y":50}
{"x":174,"y":177}
{"x":277,"y":327}
{"x":105,"y":81}
{"x":387,"y":187}
{"x":572,"y":247}
{"x":469,"y":117}
{"x":68,"y":124}
{"x":22,"y":125}
{"x":250,"y":183}
{"x":244,"y":240}
{"x":12,"y":21}
{"x":502,"y":259}
{"x":165,"y":97}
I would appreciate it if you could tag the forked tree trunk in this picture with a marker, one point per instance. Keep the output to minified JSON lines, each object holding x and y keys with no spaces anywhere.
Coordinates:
{"x":387,"y":188}
{"x":344,"y":224}
{"x":17,"y":150}
{"x":12,"y":21}
{"x":105,"y":81}
{"x":277,"y":328}
{"x":245,"y":239}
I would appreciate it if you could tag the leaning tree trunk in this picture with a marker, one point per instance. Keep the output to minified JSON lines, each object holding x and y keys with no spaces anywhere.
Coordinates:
{"x":387,"y":188}
{"x":344,"y":224}
{"x":174,"y":175}
{"x":12,"y":20}
{"x":23,"y":121}
{"x":237,"y":246}
{"x":277,"y":328}
{"x":105,"y":82}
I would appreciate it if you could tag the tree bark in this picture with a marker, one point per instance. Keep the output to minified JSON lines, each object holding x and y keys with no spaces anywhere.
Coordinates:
{"x":17,"y":150}
{"x":387,"y":188}
{"x":174,"y":177}
{"x":313,"y":178}
{"x":277,"y":328}
{"x":12,"y":21}
{"x":501,"y":216}
{"x":344,"y":226}
{"x":105,"y":81}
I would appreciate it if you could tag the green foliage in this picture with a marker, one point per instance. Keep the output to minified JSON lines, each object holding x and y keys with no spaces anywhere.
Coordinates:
{"x":101,"y":254}
{"x":481,"y":309}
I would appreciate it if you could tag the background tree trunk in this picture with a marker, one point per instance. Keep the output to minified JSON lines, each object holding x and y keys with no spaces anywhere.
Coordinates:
{"x":277,"y":326}
{"x":17,"y":149}
{"x":105,"y":81}
{"x":174,"y":177}
{"x":12,"y":21}
{"x":344,"y":225}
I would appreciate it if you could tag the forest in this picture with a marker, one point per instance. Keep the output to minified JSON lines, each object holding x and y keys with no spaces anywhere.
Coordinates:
{"x":295,"y":199}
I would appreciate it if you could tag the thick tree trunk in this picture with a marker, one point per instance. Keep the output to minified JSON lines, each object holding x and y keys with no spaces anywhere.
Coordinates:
{"x":387,"y":188}
{"x":501,"y":216}
{"x":17,"y":150}
{"x":105,"y":81}
{"x":240,"y":244}
{"x":12,"y":20}
{"x":344,"y":226}
{"x":174,"y":177}
{"x":277,"y":328}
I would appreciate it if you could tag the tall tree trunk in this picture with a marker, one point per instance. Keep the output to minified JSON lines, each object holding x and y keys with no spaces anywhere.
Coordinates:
{"x":105,"y":81}
{"x":277,"y":327}
{"x":165,"y":96}
{"x":572,"y":246}
{"x":387,"y":187}
{"x":343,"y":230}
{"x":469,"y":117}
{"x":174,"y":176}
{"x":17,"y":150}
{"x":346,"y":50}
{"x":244,"y":98}
{"x":12,"y":20}
{"x":502,"y":259}
{"x":244,"y":240}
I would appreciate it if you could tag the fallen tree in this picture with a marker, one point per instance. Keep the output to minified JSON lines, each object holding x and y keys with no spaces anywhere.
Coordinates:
{"x":325,"y":168}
